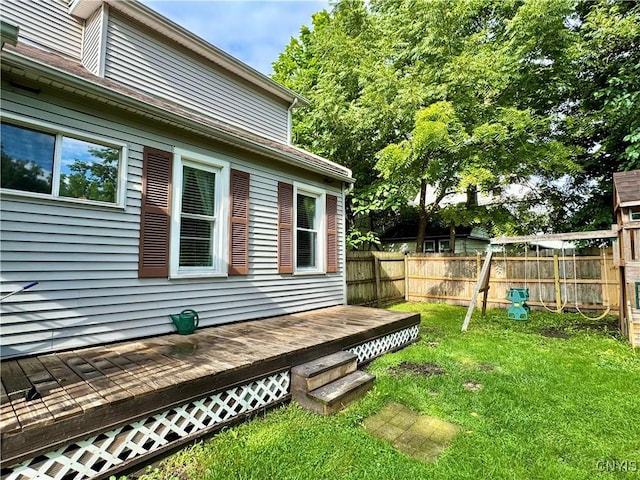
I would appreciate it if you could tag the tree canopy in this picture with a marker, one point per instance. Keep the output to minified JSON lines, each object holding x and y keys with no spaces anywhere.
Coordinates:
{"x":474,"y":96}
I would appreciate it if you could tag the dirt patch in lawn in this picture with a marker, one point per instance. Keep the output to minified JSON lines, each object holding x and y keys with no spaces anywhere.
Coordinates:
{"x":424,"y":369}
{"x":608,"y":325}
{"x":486,"y":367}
{"x":554,"y":333}
{"x":472,"y":386}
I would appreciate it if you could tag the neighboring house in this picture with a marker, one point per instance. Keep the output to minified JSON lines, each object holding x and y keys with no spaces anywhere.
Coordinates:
{"x":145,"y":171}
{"x":626,"y":199}
{"x":402,"y":238}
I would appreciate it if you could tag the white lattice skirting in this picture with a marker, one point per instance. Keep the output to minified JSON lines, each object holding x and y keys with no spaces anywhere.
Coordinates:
{"x":377,"y":347}
{"x":105,"y":452}
{"x":101,"y":453}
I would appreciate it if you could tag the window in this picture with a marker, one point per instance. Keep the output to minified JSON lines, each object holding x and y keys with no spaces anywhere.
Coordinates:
{"x":199,"y":215}
{"x":43,"y":161}
{"x":429,"y":246}
{"x":198,"y":219}
{"x":309,"y":229}
{"x":634,"y":214}
{"x":444,"y":245}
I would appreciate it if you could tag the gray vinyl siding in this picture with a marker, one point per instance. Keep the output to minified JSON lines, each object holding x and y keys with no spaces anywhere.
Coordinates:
{"x":141,"y":61}
{"x":92,"y":42}
{"x":46,"y":23}
{"x":86,"y":259}
{"x":472,"y":245}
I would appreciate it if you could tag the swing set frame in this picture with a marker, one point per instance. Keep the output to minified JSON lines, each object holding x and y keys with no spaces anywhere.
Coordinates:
{"x":482,"y":286}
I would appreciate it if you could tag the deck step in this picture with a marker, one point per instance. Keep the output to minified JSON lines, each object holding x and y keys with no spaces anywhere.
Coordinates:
{"x":338,"y":394}
{"x":312,"y":375}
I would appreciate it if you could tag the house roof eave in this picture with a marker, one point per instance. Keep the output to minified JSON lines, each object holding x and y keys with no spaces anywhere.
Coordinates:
{"x":144,"y":105}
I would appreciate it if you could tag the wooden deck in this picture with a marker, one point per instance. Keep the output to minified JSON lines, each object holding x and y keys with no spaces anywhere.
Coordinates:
{"x":53,"y":400}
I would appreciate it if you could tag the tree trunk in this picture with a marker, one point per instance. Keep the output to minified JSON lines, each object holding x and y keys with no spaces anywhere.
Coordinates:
{"x":452,"y":238}
{"x":472,"y":196}
{"x":422,"y":217}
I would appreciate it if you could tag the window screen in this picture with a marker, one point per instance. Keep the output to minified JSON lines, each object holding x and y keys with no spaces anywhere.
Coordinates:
{"x":197,"y":223}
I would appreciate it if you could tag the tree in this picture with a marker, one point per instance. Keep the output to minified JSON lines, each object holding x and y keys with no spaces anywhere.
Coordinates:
{"x":431,"y":156}
{"x":601,"y":110}
{"x":24,"y":175}
{"x":93,"y":180}
{"x":355,"y":109}
{"x":503,"y":69}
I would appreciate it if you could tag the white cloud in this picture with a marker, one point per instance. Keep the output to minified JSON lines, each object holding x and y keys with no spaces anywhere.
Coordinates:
{"x":252,"y":31}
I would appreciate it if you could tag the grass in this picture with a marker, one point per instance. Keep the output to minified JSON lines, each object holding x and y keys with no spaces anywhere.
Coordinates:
{"x":563,"y":405}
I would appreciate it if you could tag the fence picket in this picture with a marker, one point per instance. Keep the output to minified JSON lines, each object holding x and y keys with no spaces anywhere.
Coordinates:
{"x":451,"y":279}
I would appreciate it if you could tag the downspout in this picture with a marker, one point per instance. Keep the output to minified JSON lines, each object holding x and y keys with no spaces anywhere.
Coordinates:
{"x":347,"y":188}
{"x":9,"y":34}
{"x":289,"y":122}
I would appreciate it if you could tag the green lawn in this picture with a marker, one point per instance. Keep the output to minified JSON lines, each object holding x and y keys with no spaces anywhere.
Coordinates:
{"x":546,"y":407}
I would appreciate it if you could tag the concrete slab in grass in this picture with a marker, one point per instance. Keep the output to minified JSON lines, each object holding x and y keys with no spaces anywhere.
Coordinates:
{"x":419,"y":436}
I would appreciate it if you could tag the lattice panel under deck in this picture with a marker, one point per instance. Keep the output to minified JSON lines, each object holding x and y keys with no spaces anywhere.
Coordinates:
{"x":377,"y":347}
{"x":101,"y":453}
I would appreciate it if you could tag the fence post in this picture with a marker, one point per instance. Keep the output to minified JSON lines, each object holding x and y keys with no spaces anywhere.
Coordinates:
{"x":556,"y":282}
{"x":604,"y":293}
{"x":406,"y":277}
{"x":478,"y":265}
{"x":376,"y":273}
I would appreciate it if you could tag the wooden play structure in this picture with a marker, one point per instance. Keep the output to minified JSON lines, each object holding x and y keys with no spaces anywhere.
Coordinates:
{"x":626,"y":206}
{"x":482,"y":285}
{"x":625,"y":236}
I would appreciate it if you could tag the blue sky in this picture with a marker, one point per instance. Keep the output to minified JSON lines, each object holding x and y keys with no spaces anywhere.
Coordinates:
{"x":254,"y":31}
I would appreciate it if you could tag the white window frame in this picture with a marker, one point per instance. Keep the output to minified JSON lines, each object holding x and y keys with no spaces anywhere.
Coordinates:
{"x":320,"y":219}
{"x":221,"y":168}
{"x":634,"y":214}
{"x":442,"y":250}
{"x":60,"y":132}
{"x":433,"y":246}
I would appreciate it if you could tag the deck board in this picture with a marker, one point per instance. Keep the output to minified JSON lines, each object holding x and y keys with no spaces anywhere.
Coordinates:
{"x":85,"y":396}
{"x":93,"y":389}
{"x":14,"y":380}
{"x":8,"y":419}
{"x":127,"y":379}
{"x":110,"y":390}
{"x":57,"y":400}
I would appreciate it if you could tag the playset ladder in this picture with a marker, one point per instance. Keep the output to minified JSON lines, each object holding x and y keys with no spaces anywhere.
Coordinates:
{"x":481,"y":287}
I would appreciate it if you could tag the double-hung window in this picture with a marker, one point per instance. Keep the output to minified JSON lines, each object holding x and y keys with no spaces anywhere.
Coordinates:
{"x":41,"y":160}
{"x":310,"y":234}
{"x":199,"y":215}
{"x":444,"y":246}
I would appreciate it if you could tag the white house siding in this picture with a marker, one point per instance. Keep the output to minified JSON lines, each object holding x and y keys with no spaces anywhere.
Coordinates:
{"x":471,"y":245}
{"x":92,"y":41}
{"x":86,"y":259}
{"x":46,"y":23}
{"x":141,"y":61}
{"x":464,"y":246}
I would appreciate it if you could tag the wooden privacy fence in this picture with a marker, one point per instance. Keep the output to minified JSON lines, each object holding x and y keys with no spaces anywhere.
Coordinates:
{"x":375,"y":278}
{"x":557,"y":282}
